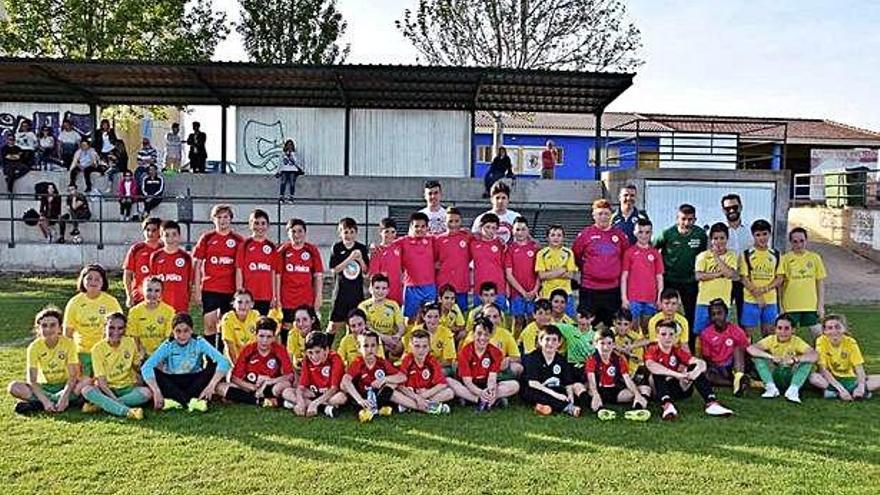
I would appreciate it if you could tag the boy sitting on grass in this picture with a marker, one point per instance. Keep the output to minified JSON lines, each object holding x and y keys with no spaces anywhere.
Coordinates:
{"x":630,"y":343}
{"x":548,"y":380}
{"x":841,"y":365}
{"x":349,"y":348}
{"x":262,"y":373}
{"x":383,"y":315}
{"x":609,"y":382}
{"x":372,"y":381}
{"x":783,"y":359}
{"x":723,"y":346}
{"x":670,"y":301}
{"x":478,"y":365}
{"x":425,"y":388}
{"x":237,"y":327}
{"x":319,"y":389}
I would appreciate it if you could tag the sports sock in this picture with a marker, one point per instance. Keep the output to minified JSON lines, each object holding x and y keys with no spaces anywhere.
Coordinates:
{"x":109,"y":405}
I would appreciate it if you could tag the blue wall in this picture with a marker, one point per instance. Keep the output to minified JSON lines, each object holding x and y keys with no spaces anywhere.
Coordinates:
{"x":576,"y":150}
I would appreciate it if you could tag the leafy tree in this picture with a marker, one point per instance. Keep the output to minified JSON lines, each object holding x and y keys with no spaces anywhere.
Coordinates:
{"x":293,"y":31}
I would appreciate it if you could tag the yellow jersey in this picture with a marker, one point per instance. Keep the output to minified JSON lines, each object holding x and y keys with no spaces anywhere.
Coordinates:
{"x":150,"y":326}
{"x":382,"y":317}
{"x":552,"y":258}
{"x":348,"y":349}
{"x":801,"y":273}
{"x":718,"y":288}
{"x":840,"y":361}
{"x":442,"y":344}
{"x":502,"y":339}
{"x":238,"y":333}
{"x":51,"y":362}
{"x":637,"y":357}
{"x":472,"y":315}
{"x":453,"y":319}
{"x":760,"y":267}
{"x":528,"y":338}
{"x":86,"y":317}
{"x":793,"y":347}
{"x":296,"y":346}
{"x":680,"y":320}
{"x":277,"y":315}
{"x":116,"y":364}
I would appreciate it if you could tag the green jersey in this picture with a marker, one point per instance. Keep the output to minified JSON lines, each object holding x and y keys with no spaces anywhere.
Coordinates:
{"x":680,"y":252}
{"x":579,"y":345}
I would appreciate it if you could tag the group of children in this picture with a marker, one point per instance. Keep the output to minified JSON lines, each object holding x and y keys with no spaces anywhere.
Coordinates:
{"x":415,"y":343}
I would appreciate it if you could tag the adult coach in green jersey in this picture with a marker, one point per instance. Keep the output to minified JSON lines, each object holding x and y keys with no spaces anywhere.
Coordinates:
{"x":680,"y":245}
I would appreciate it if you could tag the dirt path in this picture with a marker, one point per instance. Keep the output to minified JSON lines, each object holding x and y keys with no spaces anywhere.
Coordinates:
{"x":851,"y":278}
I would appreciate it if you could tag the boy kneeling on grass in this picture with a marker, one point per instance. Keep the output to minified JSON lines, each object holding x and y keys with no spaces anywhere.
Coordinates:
{"x":548,"y":380}
{"x":841,"y":365}
{"x":425,"y":389}
{"x":609,"y":382}
{"x":479,"y":363}
{"x":783,"y":359}
{"x":319,"y":389}
{"x":263,"y":373}
{"x":675,"y":373}
{"x":371,"y":381}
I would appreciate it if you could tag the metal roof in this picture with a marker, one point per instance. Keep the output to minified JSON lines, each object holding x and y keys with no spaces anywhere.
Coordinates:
{"x":343,"y":86}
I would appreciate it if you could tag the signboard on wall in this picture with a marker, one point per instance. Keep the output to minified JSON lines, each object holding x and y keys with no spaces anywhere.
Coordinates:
{"x":835,"y":160}
{"x":529,"y":161}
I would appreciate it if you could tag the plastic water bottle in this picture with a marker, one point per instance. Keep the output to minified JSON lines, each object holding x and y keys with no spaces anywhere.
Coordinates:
{"x":371,"y":398}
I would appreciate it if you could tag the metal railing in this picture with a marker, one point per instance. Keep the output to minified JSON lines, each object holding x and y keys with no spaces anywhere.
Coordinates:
{"x":838,"y":188}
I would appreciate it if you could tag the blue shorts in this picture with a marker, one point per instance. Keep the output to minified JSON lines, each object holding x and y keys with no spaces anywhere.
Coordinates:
{"x":461,"y":298}
{"x":640,"y":309}
{"x":415,"y":296}
{"x":500,"y":300}
{"x":754,"y":315}
{"x":520,"y":306}
{"x":703,"y":320}
{"x":569,"y":307}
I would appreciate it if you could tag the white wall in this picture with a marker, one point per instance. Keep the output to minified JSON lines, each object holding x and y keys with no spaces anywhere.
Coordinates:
{"x":410,"y":143}
{"x":27,"y":110}
{"x":701,"y":151}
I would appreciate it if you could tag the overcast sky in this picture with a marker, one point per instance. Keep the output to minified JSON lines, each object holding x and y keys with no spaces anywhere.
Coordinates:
{"x":763,"y":58}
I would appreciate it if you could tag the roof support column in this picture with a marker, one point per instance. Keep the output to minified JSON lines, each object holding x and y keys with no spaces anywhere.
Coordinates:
{"x":223,"y":143}
{"x":471,"y":148}
{"x":597,"y":145}
{"x":346,"y":166}
{"x":93,"y":114}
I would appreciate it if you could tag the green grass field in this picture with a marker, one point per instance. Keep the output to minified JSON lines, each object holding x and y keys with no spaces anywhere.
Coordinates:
{"x":768,"y":447}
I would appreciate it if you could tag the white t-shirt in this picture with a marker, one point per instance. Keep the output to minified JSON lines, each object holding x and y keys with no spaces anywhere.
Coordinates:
{"x":69,"y":137}
{"x":436,"y":219}
{"x":505,"y":227}
{"x":26,"y":140}
{"x":738,"y":240}
{"x":173,"y":145}
{"x":106,"y":145}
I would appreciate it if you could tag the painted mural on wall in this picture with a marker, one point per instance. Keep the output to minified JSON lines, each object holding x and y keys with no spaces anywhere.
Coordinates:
{"x":263,"y":146}
{"x":11,"y":123}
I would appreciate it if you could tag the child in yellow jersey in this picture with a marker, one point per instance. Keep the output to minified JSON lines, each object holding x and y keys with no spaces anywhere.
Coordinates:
{"x":783,"y":360}
{"x":555,"y":266}
{"x":149,"y":322}
{"x":115,"y":388}
{"x":383,"y":315}
{"x":442,"y":340}
{"x":348,"y":347}
{"x":560,"y":303}
{"x":52,"y":368}
{"x":715,"y":271}
{"x":630,"y":343}
{"x":670,"y":301}
{"x":841,"y":365}
{"x":305,"y":320}
{"x":85,"y":313}
{"x":488,"y":296}
{"x":511,"y":366}
{"x":238,"y":326}
{"x":758,"y":267}
{"x":803,"y":290}
{"x":451,"y":315}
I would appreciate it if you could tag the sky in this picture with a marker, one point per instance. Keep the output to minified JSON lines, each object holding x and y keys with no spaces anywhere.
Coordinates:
{"x":759,"y":58}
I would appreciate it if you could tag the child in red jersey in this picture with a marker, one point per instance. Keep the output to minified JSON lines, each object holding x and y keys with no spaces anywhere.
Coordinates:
{"x":453,"y":258}
{"x":300,"y":274}
{"x":488,"y":251}
{"x":425,"y":388}
{"x":385,"y":259}
{"x":478,"y":365}
{"x":675,"y":373}
{"x":174,"y":266}
{"x":262,"y":373}
{"x":214,"y":270}
{"x":136,"y":266}
{"x":256,"y":264}
{"x":641,"y":282}
{"x":723,"y":345}
{"x":319,"y":382}
{"x":371,"y":381}
{"x":417,"y":258}
{"x":519,"y":269}
{"x":608,"y":379}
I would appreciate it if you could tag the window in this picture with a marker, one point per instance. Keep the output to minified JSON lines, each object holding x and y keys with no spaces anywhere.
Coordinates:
{"x":484,"y":154}
{"x":612,"y":156}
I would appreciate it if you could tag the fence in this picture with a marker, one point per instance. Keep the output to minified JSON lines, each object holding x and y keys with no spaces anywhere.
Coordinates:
{"x":839,"y":188}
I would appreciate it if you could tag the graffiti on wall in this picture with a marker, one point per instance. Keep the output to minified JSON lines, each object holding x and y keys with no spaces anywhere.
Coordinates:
{"x":263,"y":145}
{"x":11,"y":123}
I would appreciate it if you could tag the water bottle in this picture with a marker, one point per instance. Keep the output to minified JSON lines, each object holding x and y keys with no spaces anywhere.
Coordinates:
{"x":371,"y":398}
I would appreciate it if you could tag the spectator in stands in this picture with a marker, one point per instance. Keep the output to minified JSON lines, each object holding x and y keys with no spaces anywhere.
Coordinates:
{"x":105,"y":136}
{"x":549,"y":157}
{"x":14,"y":166}
{"x":627,"y":215}
{"x":117,"y":160}
{"x":77,"y":209}
{"x":85,"y":161}
{"x":739,"y":239}
{"x":433,"y":209}
{"x":198,"y":155}
{"x":500,"y":167}
{"x":147,"y":157}
{"x":128,"y":193}
{"x":289,"y":170}
{"x":50,"y":211}
{"x":500,"y":198}
{"x":173,"y":148}
{"x":70,"y":140}
{"x":680,"y":245}
{"x":28,"y":143}
{"x":46,"y":150}
{"x":152,"y":189}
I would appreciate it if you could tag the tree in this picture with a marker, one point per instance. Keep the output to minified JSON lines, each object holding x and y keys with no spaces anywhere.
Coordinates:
{"x":166,"y":30}
{"x":293,"y":31}
{"x":524,"y":34}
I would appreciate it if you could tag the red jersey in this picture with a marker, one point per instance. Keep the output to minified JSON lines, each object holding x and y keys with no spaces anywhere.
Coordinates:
{"x":452,"y":254}
{"x":521,"y":259}
{"x":607,"y":374}
{"x":420,"y":377}
{"x":251,"y":364}
{"x":417,"y":260}
{"x":717,"y":347}
{"x":298,"y":266}
{"x":320,"y":377}
{"x":476,"y":366}
{"x":643,"y":265}
{"x":176,"y":272}
{"x":364,"y":376}
{"x":488,"y":259}
{"x":598,"y":254}
{"x":218,"y":252}
{"x":137,"y":261}
{"x":677,"y":356}
{"x":257,"y":260}
{"x":386,"y":260}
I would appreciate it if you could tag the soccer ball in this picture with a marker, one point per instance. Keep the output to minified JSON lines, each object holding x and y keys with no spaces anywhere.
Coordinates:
{"x":76,"y":239}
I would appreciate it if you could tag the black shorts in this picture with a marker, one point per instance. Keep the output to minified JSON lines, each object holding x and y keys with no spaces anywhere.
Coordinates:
{"x":287,"y":315}
{"x":604,"y":303}
{"x":345,"y":302}
{"x":212,"y":301}
{"x":609,"y":395}
{"x":262,"y":307}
